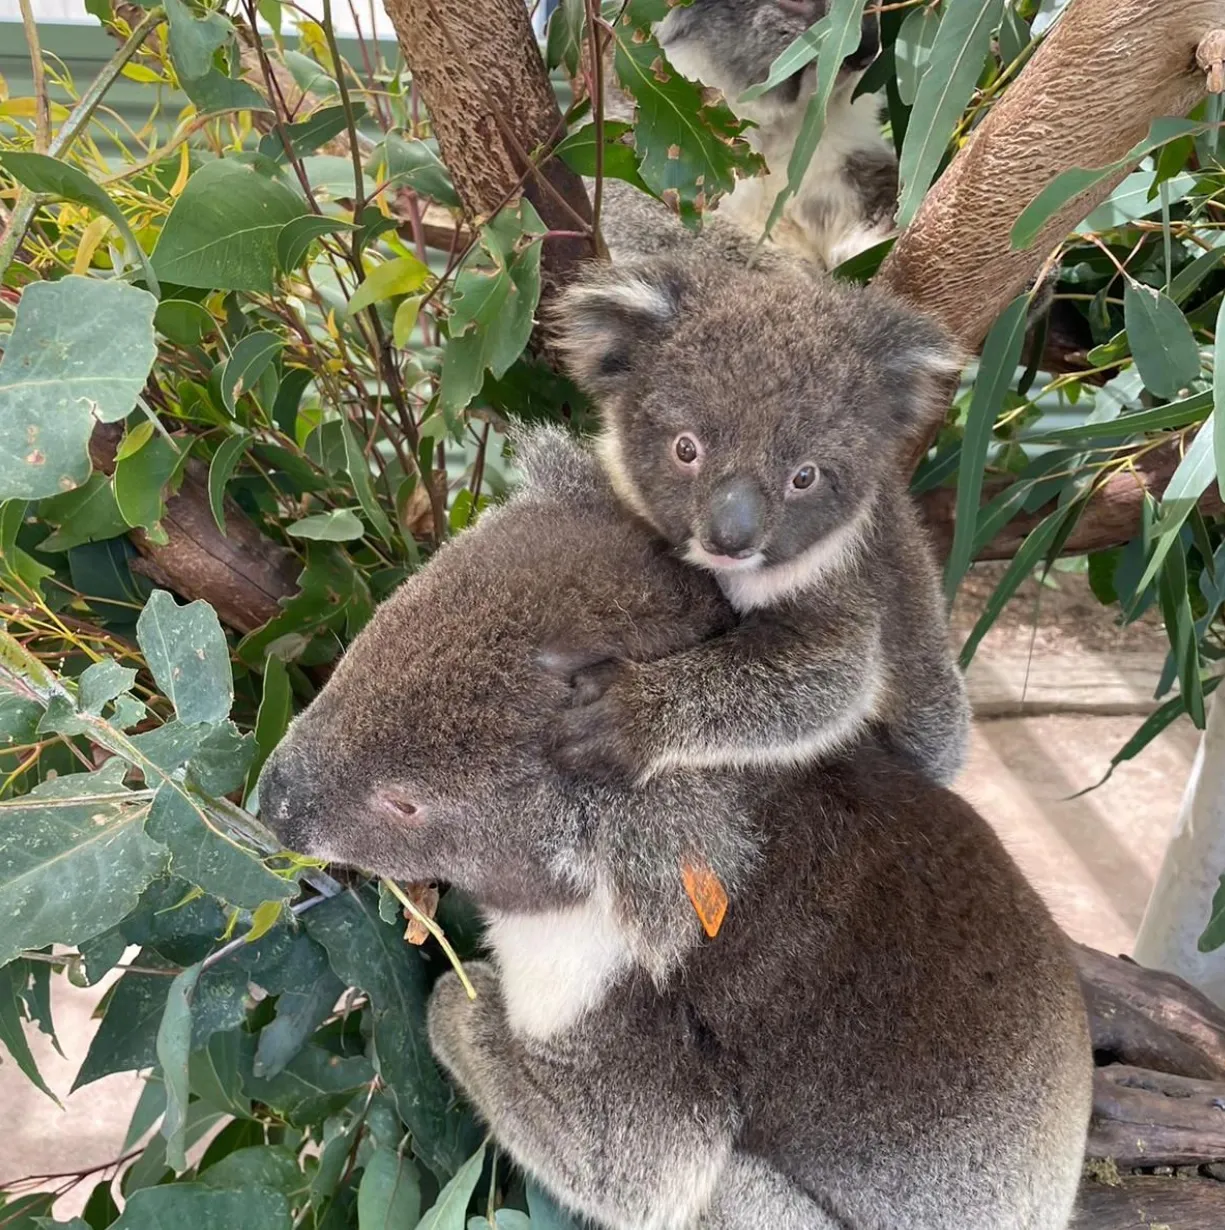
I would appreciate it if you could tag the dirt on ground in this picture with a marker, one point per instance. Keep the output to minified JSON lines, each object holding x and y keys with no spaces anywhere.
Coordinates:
{"x":1061,"y":616}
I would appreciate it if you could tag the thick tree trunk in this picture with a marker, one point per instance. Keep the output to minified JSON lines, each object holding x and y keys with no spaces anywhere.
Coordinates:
{"x":494,"y":112}
{"x":1105,"y":72}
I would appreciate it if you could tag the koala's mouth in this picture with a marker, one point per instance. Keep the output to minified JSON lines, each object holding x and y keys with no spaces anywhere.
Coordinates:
{"x":697,"y":554}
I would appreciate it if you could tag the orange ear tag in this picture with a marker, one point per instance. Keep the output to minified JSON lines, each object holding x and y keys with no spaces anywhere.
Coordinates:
{"x":708,"y":895}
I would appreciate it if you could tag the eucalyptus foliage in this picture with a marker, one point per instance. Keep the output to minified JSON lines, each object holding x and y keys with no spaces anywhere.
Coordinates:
{"x":266,"y":292}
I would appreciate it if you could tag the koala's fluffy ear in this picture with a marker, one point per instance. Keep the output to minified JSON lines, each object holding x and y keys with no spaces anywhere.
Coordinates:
{"x":605,"y":320}
{"x":920,"y":364}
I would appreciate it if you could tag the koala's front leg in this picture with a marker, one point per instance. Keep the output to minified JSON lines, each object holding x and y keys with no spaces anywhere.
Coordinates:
{"x":593,"y":1129}
{"x":766,"y":692}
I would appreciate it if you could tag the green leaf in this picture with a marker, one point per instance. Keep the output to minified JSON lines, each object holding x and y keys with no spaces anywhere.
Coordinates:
{"x":1165,"y":350}
{"x":297,"y":236}
{"x":1191,"y":409}
{"x":1218,"y":396}
{"x":492,"y":308}
{"x":80,"y":351}
{"x":101,"y":682}
{"x":546,"y":1213}
{"x":220,"y":763}
{"x":405,"y":320}
{"x":336,"y":525}
{"x":578,"y":152}
{"x":449,"y":1210}
{"x":268,"y":1166}
{"x":100,"y":1209}
{"x":912,"y":50}
{"x":314,"y":1084}
{"x":399,"y":276}
{"x":204,"y":1208}
{"x":689,"y":151}
{"x":193,"y":40}
{"x":957,"y":55}
{"x":1188,"y":482}
{"x":365,"y":952}
{"x":222,"y":231}
{"x":389,"y":1197}
{"x":183,"y":322}
{"x":802,"y":50}
{"x":1072,"y":183}
{"x":310,"y":994}
{"x":307,"y":135}
{"x":215,"y":92}
{"x":1131,"y":200}
{"x":187,"y":654}
{"x":14,"y":978}
{"x":845,"y":32}
{"x":74,"y":859}
{"x":1040,"y":540}
{"x":203,"y":855}
{"x":413,"y":164}
{"x":42,"y":173}
{"x":134,"y":439}
{"x":996,"y":370}
{"x":247,"y":363}
{"x":275,"y":712}
{"x":87,"y":514}
{"x":221,"y":470}
{"x":358,"y":467}
{"x":564,"y":44}
{"x":143,"y":480}
{"x":1214,"y":933}
{"x":126,"y":1041}
{"x":1180,"y":628}
{"x":173,"y":1048}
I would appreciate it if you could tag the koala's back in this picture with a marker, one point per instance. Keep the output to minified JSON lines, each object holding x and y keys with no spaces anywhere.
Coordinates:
{"x":891,"y":960}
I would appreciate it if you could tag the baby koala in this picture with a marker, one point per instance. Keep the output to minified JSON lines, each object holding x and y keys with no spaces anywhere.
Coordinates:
{"x":755,"y":423}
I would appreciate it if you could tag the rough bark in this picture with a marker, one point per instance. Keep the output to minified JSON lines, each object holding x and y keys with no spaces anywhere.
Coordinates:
{"x":1150,"y":1019}
{"x":1111,"y":517}
{"x":1105,"y":72}
{"x":1146,"y":1118}
{"x":494,"y":113}
{"x":1141,"y":1202}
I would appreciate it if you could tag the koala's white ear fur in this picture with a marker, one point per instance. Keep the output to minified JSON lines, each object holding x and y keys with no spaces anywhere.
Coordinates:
{"x":924,"y":362}
{"x":601,"y":322}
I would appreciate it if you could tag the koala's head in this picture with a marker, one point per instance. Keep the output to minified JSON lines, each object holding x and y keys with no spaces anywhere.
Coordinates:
{"x":730,"y":45}
{"x":424,"y":756}
{"x":747,"y":418}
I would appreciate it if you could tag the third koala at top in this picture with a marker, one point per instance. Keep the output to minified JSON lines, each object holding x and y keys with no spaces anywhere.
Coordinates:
{"x":755,"y":423}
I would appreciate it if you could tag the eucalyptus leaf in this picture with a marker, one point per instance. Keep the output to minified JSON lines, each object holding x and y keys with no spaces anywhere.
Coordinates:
{"x":80,"y":351}
{"x":173,"y":1049}
{"x":335,"y":525}
{"x":1165,"y":349}
{"x":205,"y":1208}
{"x":188,"y":656}
{"x":221,"y":469}
{"x":449,"y":1211}
{"x":247,"y":362}
{"x":389,"y":1197}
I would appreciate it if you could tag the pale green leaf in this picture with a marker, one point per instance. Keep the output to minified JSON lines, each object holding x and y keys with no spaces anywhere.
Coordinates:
{"x":81,"y":350}
{"x":335,"y":525}
{"x":1165,"y":349}
{"x":200,"y":1207}
{"x":221,"y":470}
{"x":173,"y":1049}
{"x":912,"y":49}
{"x":389,"y":1197}
{"x":246,"y":364}
{"x":399,"y":276}
{"x":188,"y":656}
{"x":448,"y":1211}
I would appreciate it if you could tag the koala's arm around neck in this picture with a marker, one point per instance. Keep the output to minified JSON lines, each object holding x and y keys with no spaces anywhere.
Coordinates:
{"x":766,"y":692}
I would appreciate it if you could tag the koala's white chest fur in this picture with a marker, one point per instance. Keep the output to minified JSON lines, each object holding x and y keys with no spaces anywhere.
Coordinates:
{"x":557,"y":965}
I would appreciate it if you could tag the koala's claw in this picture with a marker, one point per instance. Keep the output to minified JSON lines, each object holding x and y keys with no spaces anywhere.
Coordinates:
{"x":595,"y":738}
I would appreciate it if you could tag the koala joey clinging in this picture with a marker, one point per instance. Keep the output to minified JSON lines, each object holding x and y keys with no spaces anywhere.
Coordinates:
{"x":848,"y":197}
{"x":775,"y":467}
{"x":885,"y":1032}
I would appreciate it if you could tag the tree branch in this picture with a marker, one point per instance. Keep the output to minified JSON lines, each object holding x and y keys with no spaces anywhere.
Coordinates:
{"x":1105,"y":72}
{"x":494,"y":112}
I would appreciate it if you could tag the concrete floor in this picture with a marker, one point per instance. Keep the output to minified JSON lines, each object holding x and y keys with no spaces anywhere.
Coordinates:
{"x":1093,"y":858}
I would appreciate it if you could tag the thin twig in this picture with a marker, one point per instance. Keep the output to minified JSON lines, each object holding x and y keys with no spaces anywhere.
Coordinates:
{"x":42,"y":105}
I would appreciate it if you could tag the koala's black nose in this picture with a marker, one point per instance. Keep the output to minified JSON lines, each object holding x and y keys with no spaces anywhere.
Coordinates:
{"x":737,"y":517}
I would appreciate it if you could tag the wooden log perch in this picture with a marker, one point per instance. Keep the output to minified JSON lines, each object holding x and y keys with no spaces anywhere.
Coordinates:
{"x":1111,"y":517}
{"x":1135,"y":1202}
{"x":241,"y":573}
{"x":494,"y":113}
{"x":1088,"y":96}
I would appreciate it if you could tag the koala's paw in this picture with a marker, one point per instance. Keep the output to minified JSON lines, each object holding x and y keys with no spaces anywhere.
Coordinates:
{"x":453,"y":1020}
{"x":597,"y":737}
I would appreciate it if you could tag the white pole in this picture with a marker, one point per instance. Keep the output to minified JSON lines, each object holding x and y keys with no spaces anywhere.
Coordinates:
{"x":1181,"y":902}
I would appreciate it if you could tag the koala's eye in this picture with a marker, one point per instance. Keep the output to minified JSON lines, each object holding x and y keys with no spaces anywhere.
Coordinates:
{"x":687,"y":450}
{"x":804,"y":477}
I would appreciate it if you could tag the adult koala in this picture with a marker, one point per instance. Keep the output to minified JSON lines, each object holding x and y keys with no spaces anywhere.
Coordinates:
{"x":886,"y":1032}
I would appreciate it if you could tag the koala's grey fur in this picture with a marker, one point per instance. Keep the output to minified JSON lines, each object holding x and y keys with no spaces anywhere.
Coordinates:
{"x":848,"y":197}
{"x":887,"y":1032}
{"x":842,"y":621}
